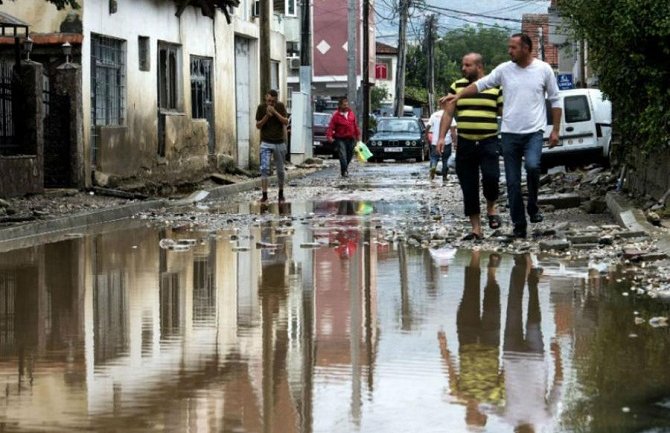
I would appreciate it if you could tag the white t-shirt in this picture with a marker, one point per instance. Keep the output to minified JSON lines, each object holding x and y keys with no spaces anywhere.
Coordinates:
{"x":434,"y":123}
{"x":525,"y":88}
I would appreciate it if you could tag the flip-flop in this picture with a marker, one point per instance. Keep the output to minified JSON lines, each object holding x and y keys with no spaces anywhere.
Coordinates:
{"x":494,"y":221}
{"x":472,"y":236}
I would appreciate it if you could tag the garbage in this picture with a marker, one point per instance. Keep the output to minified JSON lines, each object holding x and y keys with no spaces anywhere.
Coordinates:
{"x":443,"y":256}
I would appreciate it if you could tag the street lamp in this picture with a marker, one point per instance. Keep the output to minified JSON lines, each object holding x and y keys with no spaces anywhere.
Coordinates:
{"x":27,"y":47}
{"x":67,"y":50}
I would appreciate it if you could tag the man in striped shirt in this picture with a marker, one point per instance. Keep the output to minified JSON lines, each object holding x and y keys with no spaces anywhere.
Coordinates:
{"x":477,"y":147}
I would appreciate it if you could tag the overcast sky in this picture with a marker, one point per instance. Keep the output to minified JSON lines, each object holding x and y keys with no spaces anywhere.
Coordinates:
{"x":508,"y":12}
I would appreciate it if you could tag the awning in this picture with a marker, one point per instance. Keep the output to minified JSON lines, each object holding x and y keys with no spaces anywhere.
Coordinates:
{"x":12,"y":26}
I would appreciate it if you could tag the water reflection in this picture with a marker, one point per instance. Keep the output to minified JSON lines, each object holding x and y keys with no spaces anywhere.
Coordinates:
{"x":300,"y":324}
{"x":478,"y":379}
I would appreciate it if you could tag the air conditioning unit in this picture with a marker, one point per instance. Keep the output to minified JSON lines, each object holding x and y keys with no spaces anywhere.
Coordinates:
{"x":256,"y":8}
{"x":293,"y":62}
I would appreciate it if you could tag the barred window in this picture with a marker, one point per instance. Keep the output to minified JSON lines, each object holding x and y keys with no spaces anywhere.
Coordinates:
{"x":169,"y":71}
{"x":108,"y":78}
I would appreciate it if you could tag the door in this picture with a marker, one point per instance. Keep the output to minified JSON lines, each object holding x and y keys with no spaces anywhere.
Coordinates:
{"x":57,"y":146}
{"x":579,"y":125}
{"x":242,"y":99}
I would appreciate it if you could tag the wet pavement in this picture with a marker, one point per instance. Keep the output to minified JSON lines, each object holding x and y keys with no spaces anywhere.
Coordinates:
{"x":326,"y":314}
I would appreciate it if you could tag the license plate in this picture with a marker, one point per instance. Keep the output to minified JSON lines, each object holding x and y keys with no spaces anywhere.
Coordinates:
{"x":393,"y":149}
{"x":317,"y":143}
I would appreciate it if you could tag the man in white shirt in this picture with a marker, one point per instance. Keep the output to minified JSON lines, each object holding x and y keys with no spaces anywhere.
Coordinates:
{"x":434,"y":131}
{"x":525,"y":81}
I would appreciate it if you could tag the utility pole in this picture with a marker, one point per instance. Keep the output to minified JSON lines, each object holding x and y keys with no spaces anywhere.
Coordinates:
{"x":306,"y":72}
{"x":265,"y":59}
{"x":582,"y":63}
{"x":366,"y":69}
{"x":430,"y":55}
{"x":351,"y":53}
{"x":402,"y":58}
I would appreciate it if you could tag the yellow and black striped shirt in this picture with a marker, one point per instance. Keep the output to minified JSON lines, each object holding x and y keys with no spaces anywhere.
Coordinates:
{"x":477,"y":115}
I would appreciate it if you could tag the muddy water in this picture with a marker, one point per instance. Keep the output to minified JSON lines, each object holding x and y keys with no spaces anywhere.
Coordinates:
{"x":306,"y":319}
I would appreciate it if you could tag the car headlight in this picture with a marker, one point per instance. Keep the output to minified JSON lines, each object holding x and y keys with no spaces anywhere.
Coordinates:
{"x":407,"y":143}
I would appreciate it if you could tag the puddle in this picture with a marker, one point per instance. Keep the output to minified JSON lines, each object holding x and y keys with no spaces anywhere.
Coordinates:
{"x":307,"y":318}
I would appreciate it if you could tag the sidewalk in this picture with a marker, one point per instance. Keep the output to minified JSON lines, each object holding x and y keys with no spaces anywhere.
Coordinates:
{"x":59,"y":211}
{"x":632,"y":218}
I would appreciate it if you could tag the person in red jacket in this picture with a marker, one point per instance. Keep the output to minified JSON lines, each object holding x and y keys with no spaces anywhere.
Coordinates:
{"x":343,"y":129}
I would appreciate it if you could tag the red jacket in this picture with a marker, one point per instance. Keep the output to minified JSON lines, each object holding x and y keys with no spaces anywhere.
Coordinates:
{"x":343,"y":127}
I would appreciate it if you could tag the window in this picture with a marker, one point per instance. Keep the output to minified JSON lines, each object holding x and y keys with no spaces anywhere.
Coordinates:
{"x":274,"y":75}
{"x":286,"y":7}
{"x":383,"y":70}
{"x":144,"y":52}
{"x":169,"y":61}
{"x":576,"y":109}
{"x":108,"y":76}
{"x":290,"y":8}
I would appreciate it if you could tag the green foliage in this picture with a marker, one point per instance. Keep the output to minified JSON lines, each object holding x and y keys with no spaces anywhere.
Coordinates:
{"x":629,"y":48}
{"x":419,"y":94}
{"x":450,"y":48}
{"x":377,"y":95}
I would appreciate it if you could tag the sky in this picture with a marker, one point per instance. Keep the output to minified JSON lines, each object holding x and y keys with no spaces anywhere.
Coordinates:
{"x":508,"y":12}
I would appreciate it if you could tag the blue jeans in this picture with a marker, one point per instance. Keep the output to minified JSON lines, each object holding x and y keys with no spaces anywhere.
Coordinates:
{"x":345,"y":148}
{"x":514,"y":148}
{"x":435,"y":157}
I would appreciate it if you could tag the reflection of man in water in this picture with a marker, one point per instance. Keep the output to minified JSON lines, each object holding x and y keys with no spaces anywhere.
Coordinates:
{"x":478,"y":379}
{"x":528,"y":405}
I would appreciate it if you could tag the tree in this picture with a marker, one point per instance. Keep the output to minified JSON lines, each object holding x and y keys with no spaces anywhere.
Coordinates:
{"x":377,"y":95}
{"x":450,"y":48}
{"x":629,"y":48}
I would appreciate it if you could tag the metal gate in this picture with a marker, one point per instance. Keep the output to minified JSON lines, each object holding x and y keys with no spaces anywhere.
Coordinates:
{"x":57,"y":143}
{"x":202,"y":101}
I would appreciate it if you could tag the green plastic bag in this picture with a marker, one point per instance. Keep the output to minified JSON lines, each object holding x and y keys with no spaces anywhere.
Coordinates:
{"x":362,"y":151}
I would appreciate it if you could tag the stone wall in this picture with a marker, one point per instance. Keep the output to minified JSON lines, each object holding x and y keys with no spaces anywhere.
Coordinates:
{"x":650,"y":175}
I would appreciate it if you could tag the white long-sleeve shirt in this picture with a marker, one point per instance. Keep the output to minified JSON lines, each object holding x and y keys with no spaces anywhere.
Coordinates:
{"x":525,"y":89}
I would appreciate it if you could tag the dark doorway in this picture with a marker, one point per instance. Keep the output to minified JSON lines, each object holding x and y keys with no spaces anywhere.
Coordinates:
{"x":57,"y":143}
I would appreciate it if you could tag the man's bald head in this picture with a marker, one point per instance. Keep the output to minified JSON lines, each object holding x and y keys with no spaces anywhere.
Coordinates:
{"x":472,"y":66}
{"x":475,"y":58}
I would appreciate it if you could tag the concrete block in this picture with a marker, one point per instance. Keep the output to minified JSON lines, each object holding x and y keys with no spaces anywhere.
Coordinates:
{"x":556,"y":245}
{"x":584,"y":239}
{"x":560,"y":201}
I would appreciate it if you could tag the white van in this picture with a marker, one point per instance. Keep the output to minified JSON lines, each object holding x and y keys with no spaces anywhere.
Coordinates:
{"x":586,"y":128}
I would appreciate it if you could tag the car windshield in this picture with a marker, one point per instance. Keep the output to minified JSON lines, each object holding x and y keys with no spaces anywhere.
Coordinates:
{"x":321,"y":119}
{"x":397,"y":125}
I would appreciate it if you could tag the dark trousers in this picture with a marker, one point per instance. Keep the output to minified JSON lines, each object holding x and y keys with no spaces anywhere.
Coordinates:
{"x":471,"y":157}
{"x":516,"y":147}
{"x":345,"y":148}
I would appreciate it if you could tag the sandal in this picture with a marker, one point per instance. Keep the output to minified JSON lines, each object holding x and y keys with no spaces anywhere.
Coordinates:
{"x":472,"y":236}
{"x":494,"y":221}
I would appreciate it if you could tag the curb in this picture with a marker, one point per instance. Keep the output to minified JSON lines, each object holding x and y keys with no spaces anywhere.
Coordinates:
{"x":632,"y":218}
{"x":107,"y":215}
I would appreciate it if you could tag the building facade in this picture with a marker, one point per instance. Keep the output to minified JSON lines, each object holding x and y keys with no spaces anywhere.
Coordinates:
{"x":167,"y":93}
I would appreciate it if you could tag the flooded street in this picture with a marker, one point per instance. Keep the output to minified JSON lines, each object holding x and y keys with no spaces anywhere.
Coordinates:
{"x":310,"y":316}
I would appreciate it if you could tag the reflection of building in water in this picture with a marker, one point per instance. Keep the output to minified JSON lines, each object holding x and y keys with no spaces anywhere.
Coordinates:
{"x":346,"y":307}
{"x":158,"y":336}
